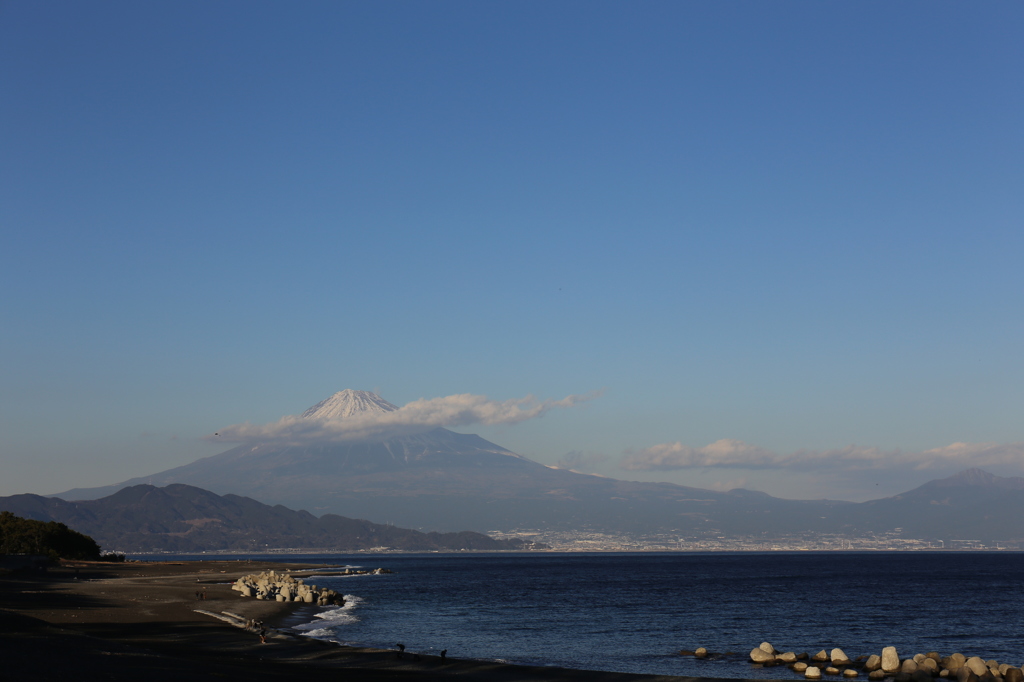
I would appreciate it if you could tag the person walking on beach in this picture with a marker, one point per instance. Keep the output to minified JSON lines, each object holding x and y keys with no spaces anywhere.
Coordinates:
{"x":444,"y":652}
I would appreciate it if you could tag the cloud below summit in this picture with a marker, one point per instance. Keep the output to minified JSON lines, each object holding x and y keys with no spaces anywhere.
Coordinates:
{"x":580,"y":461}
{"x":725,"y":453}
{"x":416,"y":417}
{"x":736,"y":454}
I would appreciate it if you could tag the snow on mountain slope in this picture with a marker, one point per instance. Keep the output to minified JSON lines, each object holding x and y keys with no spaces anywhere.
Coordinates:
{"x":348,"y":403}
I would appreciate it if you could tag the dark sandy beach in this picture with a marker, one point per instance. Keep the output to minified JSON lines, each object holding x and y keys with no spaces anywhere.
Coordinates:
{"x":140,"y":621}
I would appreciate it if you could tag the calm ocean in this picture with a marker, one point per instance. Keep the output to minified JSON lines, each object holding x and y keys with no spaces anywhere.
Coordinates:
{"x":632,"y":612}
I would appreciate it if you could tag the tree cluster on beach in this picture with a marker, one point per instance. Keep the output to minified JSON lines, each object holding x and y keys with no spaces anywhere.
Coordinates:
{"x":45,"y":538}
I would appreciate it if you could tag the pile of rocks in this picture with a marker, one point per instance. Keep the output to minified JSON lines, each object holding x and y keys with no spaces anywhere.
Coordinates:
{"x":919,"y":668}
{"x":283,"y":587}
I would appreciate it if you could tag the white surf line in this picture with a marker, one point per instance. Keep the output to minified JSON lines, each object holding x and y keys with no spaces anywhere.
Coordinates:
{"x":239,"y":622}
{"x":235,"y":620}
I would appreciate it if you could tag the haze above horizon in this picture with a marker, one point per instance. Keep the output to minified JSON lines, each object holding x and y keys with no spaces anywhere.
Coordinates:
{"x":771,"y":246}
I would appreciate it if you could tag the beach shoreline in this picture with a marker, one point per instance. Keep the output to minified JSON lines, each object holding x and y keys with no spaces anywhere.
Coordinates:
{"x":94,"y":620}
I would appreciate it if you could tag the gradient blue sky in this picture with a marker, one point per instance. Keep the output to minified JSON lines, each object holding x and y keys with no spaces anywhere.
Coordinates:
{"x":792,"y":224}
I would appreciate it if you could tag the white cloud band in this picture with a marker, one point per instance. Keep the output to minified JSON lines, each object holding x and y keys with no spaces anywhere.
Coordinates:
{"x":735,"y":454}
{"x":416,"y":417}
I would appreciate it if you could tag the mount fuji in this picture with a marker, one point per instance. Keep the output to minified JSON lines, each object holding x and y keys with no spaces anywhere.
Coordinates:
{"x":441,"y":480}
{"x":356,"y":455}
{"x":349,"y":403}
{"x":430,"y":479}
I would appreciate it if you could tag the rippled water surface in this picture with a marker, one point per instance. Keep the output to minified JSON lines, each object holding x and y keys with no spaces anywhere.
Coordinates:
{"x":632,"y":612}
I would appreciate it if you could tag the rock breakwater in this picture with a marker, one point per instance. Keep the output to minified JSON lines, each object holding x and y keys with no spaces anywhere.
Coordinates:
{"x":926,"y":667}
{"x":283,"y":587}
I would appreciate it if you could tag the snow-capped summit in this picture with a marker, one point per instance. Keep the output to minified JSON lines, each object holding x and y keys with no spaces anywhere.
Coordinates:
{"x":348,"y":403}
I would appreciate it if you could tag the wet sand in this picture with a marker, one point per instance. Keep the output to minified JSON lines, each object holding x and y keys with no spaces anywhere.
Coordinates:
{"x":140,"y":621}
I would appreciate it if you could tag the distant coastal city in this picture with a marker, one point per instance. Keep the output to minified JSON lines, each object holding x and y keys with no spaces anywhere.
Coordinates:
{"x":594,"y":541}
{"x":588,"y":541}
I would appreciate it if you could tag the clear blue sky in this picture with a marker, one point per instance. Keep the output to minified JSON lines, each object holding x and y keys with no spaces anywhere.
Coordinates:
{"x":792,"y":224}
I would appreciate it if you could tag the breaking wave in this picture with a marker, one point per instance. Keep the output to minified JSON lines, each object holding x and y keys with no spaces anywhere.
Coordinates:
{"x":324,"y":623}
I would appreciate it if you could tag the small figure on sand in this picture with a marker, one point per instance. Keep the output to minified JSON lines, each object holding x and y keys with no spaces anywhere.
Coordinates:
{"x":444,"y":652}
{"x":401,"y":650}
{"x":263,"y":635}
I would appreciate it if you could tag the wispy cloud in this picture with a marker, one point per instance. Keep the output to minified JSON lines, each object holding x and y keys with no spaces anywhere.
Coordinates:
{"x":735,"y":454}
{"x":581,"y":461}
{"x":416,"y":417}
{"x":726,"y":453}
{"x":730,"y":484}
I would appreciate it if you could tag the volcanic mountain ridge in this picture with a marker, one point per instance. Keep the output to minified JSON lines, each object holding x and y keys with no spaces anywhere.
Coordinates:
{"x":441,"y":480}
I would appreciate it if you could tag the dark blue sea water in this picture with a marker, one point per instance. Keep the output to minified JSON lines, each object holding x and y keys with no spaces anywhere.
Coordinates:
{"x":633,"y":612}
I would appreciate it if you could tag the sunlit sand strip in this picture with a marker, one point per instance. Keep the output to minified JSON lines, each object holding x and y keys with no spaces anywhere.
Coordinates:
{"x":231,"y":618}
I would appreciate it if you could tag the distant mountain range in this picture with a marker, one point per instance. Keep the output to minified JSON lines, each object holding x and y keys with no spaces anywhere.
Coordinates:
{"x":973,"y":504}
{"x":445,"y":481}
{"x":182,"y":518}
